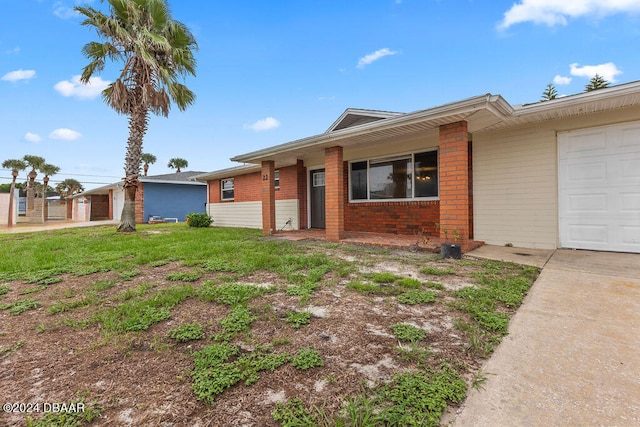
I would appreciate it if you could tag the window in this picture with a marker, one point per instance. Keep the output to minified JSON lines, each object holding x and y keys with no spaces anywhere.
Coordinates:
{"x":227,"y":189}
{"x":318,"y":179}
{"x":276,"y":179}
{"x":402,"y":177}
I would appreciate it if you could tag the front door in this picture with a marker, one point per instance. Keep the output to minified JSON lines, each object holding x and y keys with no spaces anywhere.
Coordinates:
{"x":317,"y":198}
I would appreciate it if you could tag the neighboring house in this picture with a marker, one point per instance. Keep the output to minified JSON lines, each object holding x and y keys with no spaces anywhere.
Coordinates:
{"x":559,"y":173}
{"x":172,"y":195}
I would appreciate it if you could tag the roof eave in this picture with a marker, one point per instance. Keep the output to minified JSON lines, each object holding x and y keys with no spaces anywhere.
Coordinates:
{"x":493,"y":103}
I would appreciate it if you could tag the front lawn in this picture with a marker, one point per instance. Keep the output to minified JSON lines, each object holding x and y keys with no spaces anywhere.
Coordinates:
{"x":190,"y":326}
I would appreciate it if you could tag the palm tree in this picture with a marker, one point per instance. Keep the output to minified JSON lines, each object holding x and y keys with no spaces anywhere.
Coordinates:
{"x":157,"y":52}
{"x":549,"y":93}
{"x":69,"y":187}
{"x":16,"y":166}
{"x":596,"y":82}
{"x":48,"y":170}
{"x":66,"y":189}
{"x":147,"y":159}
{"x":177,"y":163}
{"x":35,"y":163}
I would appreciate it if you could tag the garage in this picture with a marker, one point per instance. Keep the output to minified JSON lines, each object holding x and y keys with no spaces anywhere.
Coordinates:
{"x":599,"y":188}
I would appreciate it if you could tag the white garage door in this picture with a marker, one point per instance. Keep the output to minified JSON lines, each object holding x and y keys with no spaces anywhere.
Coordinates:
{"x":599,"y":188}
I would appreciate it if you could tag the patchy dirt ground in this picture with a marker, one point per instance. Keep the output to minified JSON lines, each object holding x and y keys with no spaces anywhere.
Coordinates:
{"x":143,"y":378}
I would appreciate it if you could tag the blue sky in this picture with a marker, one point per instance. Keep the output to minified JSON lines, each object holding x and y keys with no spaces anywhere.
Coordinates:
{"x":270,"y":72}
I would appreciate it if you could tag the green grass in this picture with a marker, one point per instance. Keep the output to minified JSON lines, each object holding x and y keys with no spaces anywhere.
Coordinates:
{"x":4,"y":289}
{"x":230,"y":293}
{"x":437,"y":271}
{"x":139,"y":314}
{"x":20,"y":306}
{"x":220,"y":261}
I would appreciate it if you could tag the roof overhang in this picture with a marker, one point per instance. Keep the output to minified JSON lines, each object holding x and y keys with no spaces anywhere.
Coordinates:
{"x":167,"y":181}
{"x":480,"y":112}
{"x":227,"y":173}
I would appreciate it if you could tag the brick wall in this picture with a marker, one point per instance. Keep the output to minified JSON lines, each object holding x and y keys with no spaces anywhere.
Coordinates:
{"x":247,"y":188}
{"x":409,"y":217}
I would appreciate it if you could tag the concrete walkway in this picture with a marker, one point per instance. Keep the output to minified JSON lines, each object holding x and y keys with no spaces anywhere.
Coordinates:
{"x":52,"y":225}
{"x":572,"y":356}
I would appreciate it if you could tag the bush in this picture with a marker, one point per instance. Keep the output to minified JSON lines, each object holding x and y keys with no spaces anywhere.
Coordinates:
{"x":195,"y":219}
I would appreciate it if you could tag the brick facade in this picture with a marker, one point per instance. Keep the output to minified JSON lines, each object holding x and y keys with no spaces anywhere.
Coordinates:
{"x":454,"y":210}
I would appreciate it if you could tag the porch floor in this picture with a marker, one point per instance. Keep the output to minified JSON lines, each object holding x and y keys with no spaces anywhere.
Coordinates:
{"x":427,"y":243}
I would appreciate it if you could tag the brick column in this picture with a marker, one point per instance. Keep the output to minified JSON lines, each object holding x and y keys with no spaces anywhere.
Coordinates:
{"x":301,"y":183}
{"x":139,"y":207}
{"x":334,"y":194}
{"x":268,"y":198}
{"x":454,"y":182}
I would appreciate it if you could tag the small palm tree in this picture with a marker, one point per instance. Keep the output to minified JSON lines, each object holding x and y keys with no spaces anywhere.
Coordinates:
{"x":177,"y":163}
{"x":157,"y":51}
{"x":35,"y":163}
{"x":147,"y":159}
{"x":69,"y":187}
{"x":549,"y":93}
{"x":48,"y":170}
{"x":16,"y":166}
{"x":66,"y":189}
{"x":596,"y":82}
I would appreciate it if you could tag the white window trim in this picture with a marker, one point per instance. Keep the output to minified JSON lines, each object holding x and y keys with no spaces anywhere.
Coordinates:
{"x":393,"y":157}
{"x":276,"y":179}
{"x":222,"y":189}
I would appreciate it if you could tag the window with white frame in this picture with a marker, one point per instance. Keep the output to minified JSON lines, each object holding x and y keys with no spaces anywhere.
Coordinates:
{"x":409,"y":176}
{"x":276,"y":179}
{"x":226,"y":186}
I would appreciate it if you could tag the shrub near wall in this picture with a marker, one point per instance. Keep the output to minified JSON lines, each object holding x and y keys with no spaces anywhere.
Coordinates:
{"x":196,"y":219}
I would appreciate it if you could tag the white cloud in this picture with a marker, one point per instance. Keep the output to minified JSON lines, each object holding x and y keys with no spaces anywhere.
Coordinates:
{"x":264,"y":124}
{"x":14,"y":76}
{"x":372,"y":57}
{"x":32,"y":137}
{"x":65,"y":134}
{"x":609,"y":71}
{"x":554,"y":12}
{"x":76,"y":88}
{"x":63,"y":12}
{"x":15,"y":50}
{"x":561,"y":80}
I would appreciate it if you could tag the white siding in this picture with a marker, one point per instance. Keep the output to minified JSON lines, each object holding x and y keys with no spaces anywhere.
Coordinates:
{"x":249,"y":214}
{"x":515,"y":180}
{"x":515,"y":188}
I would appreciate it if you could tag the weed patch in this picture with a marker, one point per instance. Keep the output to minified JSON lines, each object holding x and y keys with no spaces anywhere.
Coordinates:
{"x":20,"y":306}
{"x":187,"y":332}
{"x":298,"y":319}
{"x":416,"y":297}
{"x":408,"y":333}
{"x":307,"y":358}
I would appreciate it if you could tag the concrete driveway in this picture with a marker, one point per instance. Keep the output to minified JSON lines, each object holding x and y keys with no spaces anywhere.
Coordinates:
{"x":572,"y":356}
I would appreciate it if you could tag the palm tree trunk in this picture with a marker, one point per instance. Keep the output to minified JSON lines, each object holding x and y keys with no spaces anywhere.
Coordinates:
{"x":11,"y":208}
{"x":137,"y":129}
